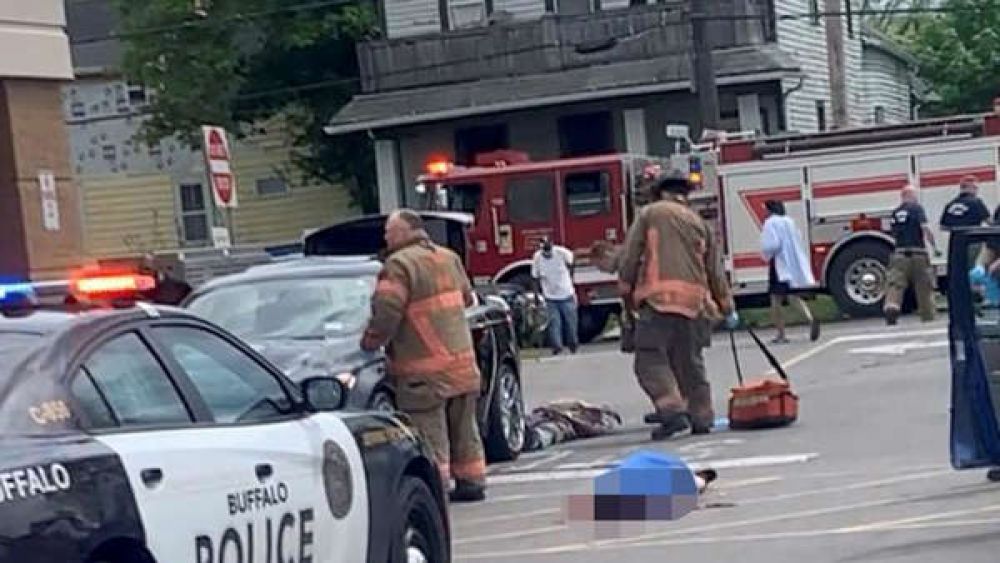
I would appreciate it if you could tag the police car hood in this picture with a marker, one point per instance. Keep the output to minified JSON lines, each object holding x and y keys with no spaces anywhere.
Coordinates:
{"x":300,"y":359}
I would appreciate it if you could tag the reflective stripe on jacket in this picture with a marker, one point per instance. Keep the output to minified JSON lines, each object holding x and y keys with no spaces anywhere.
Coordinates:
{"x":418,"y":310}
{"x":671,"y":262}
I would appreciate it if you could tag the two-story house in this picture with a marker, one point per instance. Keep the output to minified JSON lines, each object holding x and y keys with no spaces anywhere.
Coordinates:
{"x":139,"y":198}
{"x":561,"y":78}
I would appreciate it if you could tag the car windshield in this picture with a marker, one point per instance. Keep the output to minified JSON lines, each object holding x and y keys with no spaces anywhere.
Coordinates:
{"x":297,"y":309}
{"x":14,"y":346}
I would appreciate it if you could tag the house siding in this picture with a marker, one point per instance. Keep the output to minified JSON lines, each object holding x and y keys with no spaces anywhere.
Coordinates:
{"x":807,"y":44}
{"x":406,"y":18}
{"x":887,"y":84}
{"x":128,"y":214}
{"x":521,"y":9}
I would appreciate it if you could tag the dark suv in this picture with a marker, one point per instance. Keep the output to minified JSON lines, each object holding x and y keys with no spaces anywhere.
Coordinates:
{"x":307,"y":315}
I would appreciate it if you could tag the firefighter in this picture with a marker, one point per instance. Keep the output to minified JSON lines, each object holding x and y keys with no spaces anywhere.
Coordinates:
{"x":910,"y":263}
{"x":967,"y":209}
{"x":418,"y":311}
{"x":671,"y":273}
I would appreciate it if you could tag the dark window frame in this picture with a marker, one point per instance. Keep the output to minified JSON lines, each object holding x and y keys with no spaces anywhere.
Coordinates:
{"x":604,"y":180}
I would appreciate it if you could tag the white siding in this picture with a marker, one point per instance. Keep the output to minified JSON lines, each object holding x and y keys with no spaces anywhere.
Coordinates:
{"x":887,"y":84}
{"x":404,"y":18}
{"x":806,"y":43}
{"x":521,"y":9}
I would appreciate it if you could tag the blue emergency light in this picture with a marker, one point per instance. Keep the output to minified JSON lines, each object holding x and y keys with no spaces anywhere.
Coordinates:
{"x":13,"y":291}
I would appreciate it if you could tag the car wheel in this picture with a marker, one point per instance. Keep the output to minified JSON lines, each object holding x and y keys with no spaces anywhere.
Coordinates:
{"x":382,"y":401}
{"x":420,"y":536}
{"x":505,"y":431}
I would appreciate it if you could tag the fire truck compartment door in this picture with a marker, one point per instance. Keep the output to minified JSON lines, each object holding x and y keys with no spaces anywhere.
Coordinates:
{"x":745,"y":195}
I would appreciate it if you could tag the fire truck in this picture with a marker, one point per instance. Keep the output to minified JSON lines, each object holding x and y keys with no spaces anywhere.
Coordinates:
{"x":839,"y":187}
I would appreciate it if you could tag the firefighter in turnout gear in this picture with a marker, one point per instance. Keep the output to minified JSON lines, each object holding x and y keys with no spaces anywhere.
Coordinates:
{"x":910,"y":263}
{"x":672,"y":275}
{"x":418,"y":312}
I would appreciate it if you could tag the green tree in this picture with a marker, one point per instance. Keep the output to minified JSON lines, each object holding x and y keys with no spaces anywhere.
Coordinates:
{"x":959,"y":55}
{"x":238,"y":63}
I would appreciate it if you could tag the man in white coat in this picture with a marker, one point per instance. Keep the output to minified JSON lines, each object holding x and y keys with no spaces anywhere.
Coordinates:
{"x":789,"y":268}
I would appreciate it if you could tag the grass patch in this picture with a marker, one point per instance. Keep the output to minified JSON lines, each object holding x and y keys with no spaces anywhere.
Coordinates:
{"x":822,"y":307}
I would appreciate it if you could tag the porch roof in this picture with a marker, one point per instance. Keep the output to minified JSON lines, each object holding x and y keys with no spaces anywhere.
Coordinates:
{"x":451,"y":101}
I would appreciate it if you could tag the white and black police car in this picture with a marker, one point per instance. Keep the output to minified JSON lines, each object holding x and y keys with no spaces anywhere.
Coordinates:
{"x":133,"y":433}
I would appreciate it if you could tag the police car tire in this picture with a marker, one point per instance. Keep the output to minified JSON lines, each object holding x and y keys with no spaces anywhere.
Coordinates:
{"x":419,"y":510}
{"x":496,"y":443}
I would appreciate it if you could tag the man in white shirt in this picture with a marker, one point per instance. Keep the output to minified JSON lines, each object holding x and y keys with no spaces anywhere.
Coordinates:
{"x":552,"y":268}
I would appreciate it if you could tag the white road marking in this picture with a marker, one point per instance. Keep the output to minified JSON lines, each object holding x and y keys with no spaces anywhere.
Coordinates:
{"x":856,"y":338}
{"x":502,"y":517}
{"x":511,"y":535}
{"x":551,"y":458}
{"x":584,"y":473}
{"x":899,"y":349}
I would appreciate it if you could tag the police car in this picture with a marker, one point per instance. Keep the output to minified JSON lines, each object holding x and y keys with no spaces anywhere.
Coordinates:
{"x":135,"y":433}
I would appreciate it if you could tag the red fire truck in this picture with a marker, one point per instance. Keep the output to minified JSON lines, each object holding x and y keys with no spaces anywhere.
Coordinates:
{"x":838,"y":186}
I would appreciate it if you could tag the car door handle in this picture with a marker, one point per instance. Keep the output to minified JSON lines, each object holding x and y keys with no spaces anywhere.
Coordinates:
{"x":264,"y":470}
{"x":151,"y":477}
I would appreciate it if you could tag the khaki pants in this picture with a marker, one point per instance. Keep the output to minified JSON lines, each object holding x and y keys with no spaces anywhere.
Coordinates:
{"x":669,"y":364}
{"x":911,"y":267}
{"x":450,"y":428}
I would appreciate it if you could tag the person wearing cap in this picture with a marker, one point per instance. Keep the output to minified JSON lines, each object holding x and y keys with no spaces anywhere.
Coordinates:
{"x":671,"y":273}
{"x":552,"y":268}
{"x":910,"y":263}
{"x":967,"y":209}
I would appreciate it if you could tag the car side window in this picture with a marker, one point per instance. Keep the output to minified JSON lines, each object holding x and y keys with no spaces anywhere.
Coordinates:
{"x":234,"y":386}
{"x":134,"y":387}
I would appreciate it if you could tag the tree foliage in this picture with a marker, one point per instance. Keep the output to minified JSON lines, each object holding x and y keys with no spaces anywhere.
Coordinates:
{"x":959,"y":55}
{"x":243,"y":62}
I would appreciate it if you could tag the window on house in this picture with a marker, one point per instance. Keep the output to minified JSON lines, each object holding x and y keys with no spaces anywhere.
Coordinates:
{"x":530,"y":199}
{"x":820,"y":115}
{"x":576,"y":7}
{"x":194,"y":214}
{"x":588,"y":193}
{"x":878,"y":114}
{"x":466,"y":13}
{"x":814,"y":12}
{"x":137,"y":95}
{"x":471,"y":141}
{"x":109,"y":152}
{"x":78,"y":109}
{"x":271,"y":186}
{"x":585,"y":134}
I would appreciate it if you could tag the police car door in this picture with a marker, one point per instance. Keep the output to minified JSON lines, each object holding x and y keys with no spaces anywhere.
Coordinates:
{"x":974,"y":315}
{"x":298,"y":494}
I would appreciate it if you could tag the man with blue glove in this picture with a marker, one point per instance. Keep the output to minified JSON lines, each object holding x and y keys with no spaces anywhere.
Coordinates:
{"x":671,"y":274}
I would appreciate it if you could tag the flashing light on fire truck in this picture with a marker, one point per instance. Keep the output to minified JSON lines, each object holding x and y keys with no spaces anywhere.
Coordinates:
{"x":439,"y":167}
{"x":694,"y":171}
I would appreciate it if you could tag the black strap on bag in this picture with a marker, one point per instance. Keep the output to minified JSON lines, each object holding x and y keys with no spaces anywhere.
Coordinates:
{"x":775,"y":364}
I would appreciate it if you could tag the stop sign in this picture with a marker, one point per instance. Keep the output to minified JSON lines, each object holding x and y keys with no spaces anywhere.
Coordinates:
{"x":220,"y":173}
{"x":217,"y":146}
{"x":223,"y":184}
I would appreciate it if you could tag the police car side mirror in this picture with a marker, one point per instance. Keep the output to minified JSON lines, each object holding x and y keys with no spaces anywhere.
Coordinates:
{"x":323,"y":394}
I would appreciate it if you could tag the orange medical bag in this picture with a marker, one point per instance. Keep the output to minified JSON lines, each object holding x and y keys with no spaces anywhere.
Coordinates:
{"x":761,"y":403}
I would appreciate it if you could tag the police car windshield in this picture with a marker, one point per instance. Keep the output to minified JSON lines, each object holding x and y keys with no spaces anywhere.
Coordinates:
{"x":293,"y":309}
{"x":13,"y":347}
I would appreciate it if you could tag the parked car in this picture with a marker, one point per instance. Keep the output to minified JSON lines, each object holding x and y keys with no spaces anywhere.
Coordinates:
{"x":307,"y":315}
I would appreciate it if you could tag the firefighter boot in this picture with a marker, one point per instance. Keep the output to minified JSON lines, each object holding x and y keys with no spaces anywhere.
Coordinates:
{"x":670,"y":425}
{"x":467,"y":491}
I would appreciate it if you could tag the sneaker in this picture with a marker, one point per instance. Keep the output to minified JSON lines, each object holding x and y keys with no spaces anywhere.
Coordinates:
{"x":651,"y":418}
{"x":677,"y":423}
{"x":465,"y":491}
{"x":701,"y":429}
{"x":779,"y":340}
{"x":994,"y":475}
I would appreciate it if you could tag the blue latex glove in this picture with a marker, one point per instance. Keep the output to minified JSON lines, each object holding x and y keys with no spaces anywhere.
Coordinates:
{"x":732,"y":320}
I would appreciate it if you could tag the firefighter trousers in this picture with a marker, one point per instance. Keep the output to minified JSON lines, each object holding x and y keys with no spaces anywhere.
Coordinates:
{"x":670,"y":366}
{"x":907,"y":267}
{"x":450,"y":428}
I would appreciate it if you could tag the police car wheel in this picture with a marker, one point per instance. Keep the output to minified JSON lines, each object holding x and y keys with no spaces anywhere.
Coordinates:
{"x":421,"y":536}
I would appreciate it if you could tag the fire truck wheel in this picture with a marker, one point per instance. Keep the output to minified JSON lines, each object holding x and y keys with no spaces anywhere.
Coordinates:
{"x":858,"y":278}
{"x":592,"y":322}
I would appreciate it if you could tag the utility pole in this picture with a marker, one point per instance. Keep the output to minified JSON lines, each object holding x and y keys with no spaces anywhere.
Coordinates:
{"x":704,"y":73}
{"x":835,"y":60}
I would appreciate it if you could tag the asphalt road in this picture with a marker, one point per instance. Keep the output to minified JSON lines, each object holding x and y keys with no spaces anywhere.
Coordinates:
{"x":862,"y":476}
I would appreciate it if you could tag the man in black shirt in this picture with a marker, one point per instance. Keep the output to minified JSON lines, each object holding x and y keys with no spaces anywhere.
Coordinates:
{"x":910,"y":262}
{"x":966,"y":210}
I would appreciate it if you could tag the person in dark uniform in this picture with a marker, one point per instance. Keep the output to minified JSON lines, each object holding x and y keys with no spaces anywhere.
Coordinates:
{"x":910,"y":262}
{"x":966,"y":210}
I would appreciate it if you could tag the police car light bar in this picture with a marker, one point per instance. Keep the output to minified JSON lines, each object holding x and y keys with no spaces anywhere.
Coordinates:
{"x":100,"y":286}
{"x":13,"y":290}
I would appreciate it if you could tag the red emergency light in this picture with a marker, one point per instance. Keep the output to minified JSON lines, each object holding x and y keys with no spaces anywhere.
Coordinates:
{"x":111,"y":286}
{"x":439,"y":167}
